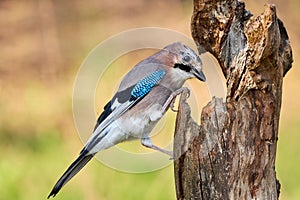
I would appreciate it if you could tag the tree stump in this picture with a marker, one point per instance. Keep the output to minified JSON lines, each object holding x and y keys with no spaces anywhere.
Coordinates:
{"x":232,"y":154}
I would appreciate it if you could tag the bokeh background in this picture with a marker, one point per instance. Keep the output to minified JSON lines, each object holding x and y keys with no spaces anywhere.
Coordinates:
{"x":43,"y":44}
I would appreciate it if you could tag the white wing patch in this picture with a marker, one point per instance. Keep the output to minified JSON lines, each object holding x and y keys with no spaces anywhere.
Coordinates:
{"x":115,"y":104}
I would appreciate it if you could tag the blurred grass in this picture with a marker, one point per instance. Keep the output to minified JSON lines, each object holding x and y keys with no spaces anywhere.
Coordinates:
{"x":42,"y":46}
{"x":31,"y":165}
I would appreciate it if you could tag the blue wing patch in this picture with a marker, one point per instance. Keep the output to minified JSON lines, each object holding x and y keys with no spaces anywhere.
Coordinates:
{"x":145,"y":85}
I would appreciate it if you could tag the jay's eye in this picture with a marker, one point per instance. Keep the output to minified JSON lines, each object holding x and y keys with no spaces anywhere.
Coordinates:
{"x":187,"y":58}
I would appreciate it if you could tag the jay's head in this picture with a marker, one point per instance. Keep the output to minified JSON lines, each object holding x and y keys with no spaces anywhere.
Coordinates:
{"x":186,"y":61}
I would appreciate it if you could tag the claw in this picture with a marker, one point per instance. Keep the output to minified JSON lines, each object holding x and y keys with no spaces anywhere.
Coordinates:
{"x":172,"y":106}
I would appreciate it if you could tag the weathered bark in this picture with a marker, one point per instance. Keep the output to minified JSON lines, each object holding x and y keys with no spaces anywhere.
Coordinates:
{"x":232,"y":154}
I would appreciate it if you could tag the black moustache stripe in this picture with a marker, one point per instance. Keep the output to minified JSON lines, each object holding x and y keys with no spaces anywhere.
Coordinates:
{"x":183,"y":67}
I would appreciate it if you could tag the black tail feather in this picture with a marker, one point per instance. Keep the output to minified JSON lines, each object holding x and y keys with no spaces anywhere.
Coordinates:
{"x":74,"y":168}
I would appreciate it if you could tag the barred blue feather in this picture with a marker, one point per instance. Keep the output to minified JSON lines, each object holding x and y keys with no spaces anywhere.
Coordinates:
{"x":145,"y":85}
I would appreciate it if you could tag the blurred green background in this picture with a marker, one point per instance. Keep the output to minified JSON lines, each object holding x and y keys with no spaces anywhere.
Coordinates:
{"x":43,"y":44}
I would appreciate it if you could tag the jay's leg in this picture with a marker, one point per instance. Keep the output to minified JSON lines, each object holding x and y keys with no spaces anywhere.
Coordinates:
{"x":148,"y":143}
{"x":170,"y":101}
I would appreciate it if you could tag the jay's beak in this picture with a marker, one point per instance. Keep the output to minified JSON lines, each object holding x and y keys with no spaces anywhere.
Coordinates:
{"x":199,"y":74}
